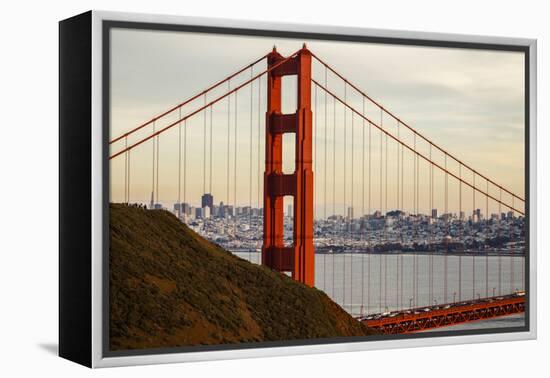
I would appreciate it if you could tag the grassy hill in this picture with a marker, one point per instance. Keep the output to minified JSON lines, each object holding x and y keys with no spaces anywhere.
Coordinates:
{"x":170,"y":287}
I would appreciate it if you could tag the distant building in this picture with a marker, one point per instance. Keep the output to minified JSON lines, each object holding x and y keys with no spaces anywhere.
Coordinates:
{"x":199,"y":212}
{"x":229,"y":211}
{"x":477,"y":215}
{"x":207,"y":199}
{"x":289,"y":212}
{"x":350,"y":212}
{"x":215,"y":211}
{"x":434,"y":213}
{"x":462,"y":215}
{"x":186,"y":208}
{"x":206,"y":212}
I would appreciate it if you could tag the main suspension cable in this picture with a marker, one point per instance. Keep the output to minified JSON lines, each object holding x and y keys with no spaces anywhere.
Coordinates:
{"x":410,"y":148}
{"x":180,"y":105}
{"x":354,"y":87}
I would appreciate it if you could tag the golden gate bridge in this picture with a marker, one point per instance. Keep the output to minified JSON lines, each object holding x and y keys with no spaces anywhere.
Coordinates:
{"x":370,"y":160}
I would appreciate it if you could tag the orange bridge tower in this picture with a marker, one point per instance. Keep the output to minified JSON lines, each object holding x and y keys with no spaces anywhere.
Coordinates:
{"x":299,"y":259}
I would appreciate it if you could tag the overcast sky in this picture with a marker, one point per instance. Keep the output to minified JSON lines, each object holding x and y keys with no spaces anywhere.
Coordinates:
{"x":468,"y":101}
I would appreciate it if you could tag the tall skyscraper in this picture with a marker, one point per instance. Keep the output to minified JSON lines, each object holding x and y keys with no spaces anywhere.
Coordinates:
{"x":434,"y":213}
{"x":289,"y":213}
{"x":207,"y":200}
{"x":223,"y":210}
{"x":350,"y":212}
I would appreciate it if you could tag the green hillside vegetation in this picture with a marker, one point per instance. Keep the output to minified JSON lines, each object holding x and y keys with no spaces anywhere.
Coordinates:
{"x":170,"y":287}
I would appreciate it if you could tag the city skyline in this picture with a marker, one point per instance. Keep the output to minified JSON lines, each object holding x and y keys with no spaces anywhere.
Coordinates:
{"x":473,"y":214}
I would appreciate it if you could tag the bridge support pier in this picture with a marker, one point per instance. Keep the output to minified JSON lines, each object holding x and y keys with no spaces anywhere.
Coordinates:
{"x":299,"y":259}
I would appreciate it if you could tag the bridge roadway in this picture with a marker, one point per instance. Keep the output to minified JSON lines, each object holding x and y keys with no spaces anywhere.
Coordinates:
{"x":423,"y":318}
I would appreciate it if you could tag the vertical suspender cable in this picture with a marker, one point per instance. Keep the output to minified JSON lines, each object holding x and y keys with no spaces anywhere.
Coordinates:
{"x":486,"y":240}
{"x":461,"y":225}
{"x":126,"y":170}
{"x":153,"y":170}
{"x":417,"y":193}
{"x":259,"y":141}
{"x":325,"y":181}
{"x":446,"y":267}
{"x":380,"y":233}
{"x":433,"y":245}
{"x":512,"y":249}
{"x":386,"y":226}
{"x":204,"y":150}
{"x":235,"y":171}
{"x":402,"y":208}
{"x":418,"y":225}
{"x":369,"y":229}
{"x":211,"y":151}
{"x":179,"y":166}
{"x":351,"y":214}
{"x":344,"y":201}
{"x":158,"y":159}
{"x":250,"y":164}
{"x":129,"y":160}
{"x":473,"y":244}
{"x":333,"y":186}
{"x":185,"y":162}
{"x":363,"y":211}
{"x":399,"y":217}
{"x":499,"y":245}
{"x":228,"y":160}
{"x":415,"y":257}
